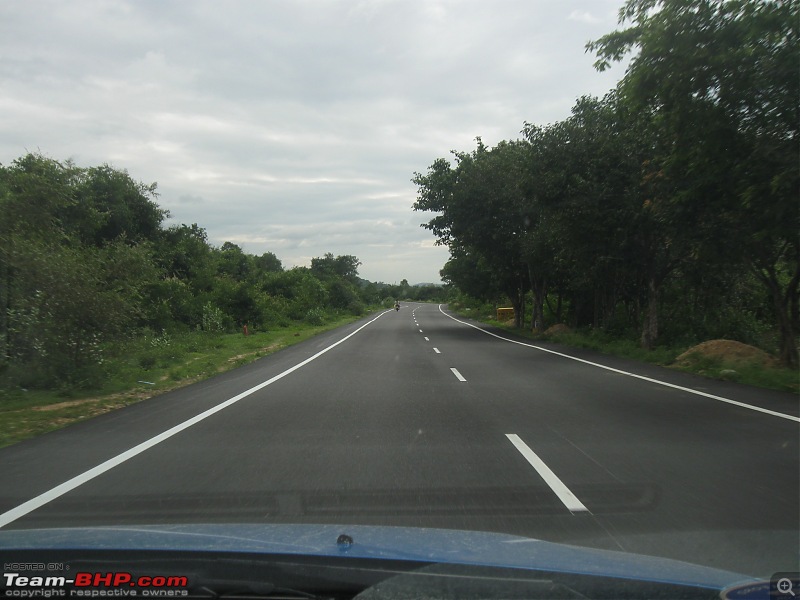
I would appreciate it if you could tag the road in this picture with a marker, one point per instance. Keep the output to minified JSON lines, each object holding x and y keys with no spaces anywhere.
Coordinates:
{"x":419,"y":418}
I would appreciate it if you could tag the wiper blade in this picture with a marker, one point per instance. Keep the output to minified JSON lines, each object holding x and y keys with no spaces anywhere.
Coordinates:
{"x":250,"y":590}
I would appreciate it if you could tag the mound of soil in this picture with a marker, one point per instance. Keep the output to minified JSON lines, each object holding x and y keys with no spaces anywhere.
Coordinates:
{"x":727,"y":351}
{"x":556,"y":329}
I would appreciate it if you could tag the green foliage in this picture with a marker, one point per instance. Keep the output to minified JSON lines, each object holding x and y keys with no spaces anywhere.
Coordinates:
{"x":86,"y":266}
{"x":268,"y":263}
{"x":667,"y":208}
{"x":147,"y":361}
{"x":721,"y":81}
{"x":161,"y":341}
{"x":315,"y":316}
{"x":480,"y":206}
{"x":343,"y":294}
{"x":233,"y":262}
{"x":63,"y":303}
{"x":341,"y":267}
{"x":125,"y":207}
{"x":213,"y":318}
{"x":300,"y":290}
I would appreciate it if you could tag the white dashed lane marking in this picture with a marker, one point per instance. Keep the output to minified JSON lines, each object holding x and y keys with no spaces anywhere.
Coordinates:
{"x":564,"y":494}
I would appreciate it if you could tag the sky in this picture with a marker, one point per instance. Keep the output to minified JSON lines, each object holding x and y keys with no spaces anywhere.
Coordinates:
{"x":292,"y":127}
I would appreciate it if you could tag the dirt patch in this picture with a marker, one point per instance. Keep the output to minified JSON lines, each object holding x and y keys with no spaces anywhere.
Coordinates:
{"x":726,"y":351}
{"x":266,"y":349}
{"x":110,"y":402}
{"x":557,"y":329}
{"x":60,"y":405}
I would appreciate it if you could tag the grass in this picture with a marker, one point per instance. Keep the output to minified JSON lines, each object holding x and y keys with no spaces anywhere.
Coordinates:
{"x":755,"y":374}
{"x":142,"y":368}
{"x":750,"y":373}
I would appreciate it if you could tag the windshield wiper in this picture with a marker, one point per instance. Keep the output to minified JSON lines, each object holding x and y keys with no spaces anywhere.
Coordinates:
{"x":225,"y":589}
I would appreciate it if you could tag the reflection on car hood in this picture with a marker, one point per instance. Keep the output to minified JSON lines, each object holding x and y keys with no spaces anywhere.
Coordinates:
{"x":374,"y":542}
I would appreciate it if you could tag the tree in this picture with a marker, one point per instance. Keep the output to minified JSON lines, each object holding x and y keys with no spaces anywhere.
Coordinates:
{"x":126,"y":207}
{"x":469,"y":272}
{"x":184,"y":253}
{"x":233,"y":262}
{"x":70,"y":301}
{"x":721,"y":81}
{"x":584,"y":212}
{"x":268,"y":263}
{"x":329,"y":267}
{"x":480,"y":206}
{"x":300,"y":288}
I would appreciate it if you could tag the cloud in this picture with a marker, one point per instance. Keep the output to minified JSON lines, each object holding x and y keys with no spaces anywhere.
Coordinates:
{"x":291,"y":127}
{"x":190,"y":199}
{"x":584,"y":16}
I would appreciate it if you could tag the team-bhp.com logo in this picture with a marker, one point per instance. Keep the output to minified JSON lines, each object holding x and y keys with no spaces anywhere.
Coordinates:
{"x":93,"y":585}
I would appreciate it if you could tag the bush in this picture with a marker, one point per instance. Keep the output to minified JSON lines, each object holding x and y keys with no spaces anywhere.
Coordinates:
{"x":274,"y":311}
{"x":147,"y":361}
{"x":342,"y":294}
{"x":356,"y":307}
{"x":162,"y":340}
{"x":213,"y":318}
{"x":315,"y":316}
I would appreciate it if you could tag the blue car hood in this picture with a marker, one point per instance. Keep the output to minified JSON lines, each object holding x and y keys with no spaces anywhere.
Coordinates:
{"x":375,"y":542}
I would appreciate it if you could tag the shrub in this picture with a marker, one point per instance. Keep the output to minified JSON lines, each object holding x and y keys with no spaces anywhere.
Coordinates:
{"x":213,"y":318}
{"x":315,"y":316}
{"x":161,"y":341}
{"x":147,"y":361}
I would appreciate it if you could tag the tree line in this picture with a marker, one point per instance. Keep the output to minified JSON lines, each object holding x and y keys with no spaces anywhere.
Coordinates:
{"x":86,"y":261}
{"x":668,"y":208}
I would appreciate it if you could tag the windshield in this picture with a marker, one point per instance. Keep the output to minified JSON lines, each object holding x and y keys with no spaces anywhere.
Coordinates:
{"x":525,"y":268}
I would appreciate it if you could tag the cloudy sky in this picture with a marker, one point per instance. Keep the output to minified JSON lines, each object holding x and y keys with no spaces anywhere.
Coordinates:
{"x":292,"y":126}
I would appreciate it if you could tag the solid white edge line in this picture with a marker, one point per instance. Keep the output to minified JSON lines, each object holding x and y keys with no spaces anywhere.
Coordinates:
{"x":458,"y":375}
{"x":650,"y":379}
{"x":69,"y":485}
{"x":564,"y":494}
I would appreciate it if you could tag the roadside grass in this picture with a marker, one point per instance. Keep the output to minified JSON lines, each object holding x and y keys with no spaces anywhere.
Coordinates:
{"x":144,"y":367}
{"x":749,"y":373}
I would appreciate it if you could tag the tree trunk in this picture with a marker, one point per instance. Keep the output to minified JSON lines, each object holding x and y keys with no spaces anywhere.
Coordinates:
{"x":557,"y":311}
{"x":650,"y":325}
{"x":537,"y":314}
{"x":785,"y":304}
{"x":516,"y":304}
{"x":782,"y":306}
{"x":558,"y":307}
{"x":789,"y":354}
{"x":537,"y":321}
{"x":539,"y":288}
{"x":596,"y":310}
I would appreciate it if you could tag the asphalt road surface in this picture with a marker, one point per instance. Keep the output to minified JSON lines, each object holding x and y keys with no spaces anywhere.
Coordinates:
{"x":417,"y":418}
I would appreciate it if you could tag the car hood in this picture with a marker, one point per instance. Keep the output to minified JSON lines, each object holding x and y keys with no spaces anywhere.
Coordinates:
{"x":375,"y":542}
